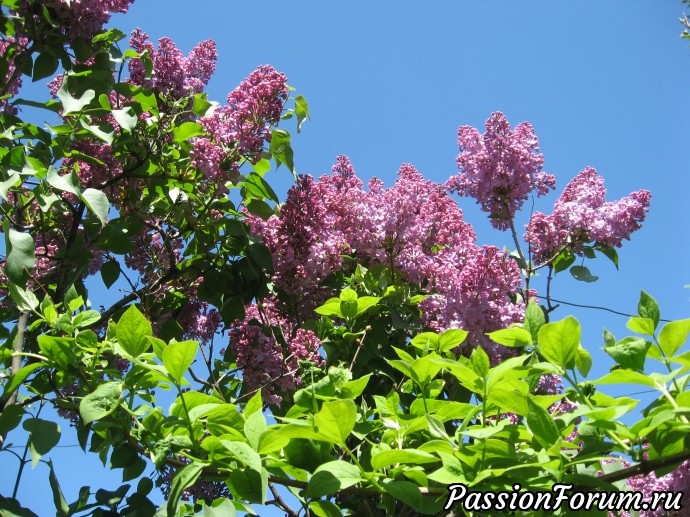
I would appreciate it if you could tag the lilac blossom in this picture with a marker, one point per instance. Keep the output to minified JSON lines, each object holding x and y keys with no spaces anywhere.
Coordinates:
{"x":174,"y":75}
{"x":243,"y":125}
{"x":77,"y":18}
{"x":582,"y":215}
{"x":264,"y":363}
{"x":10,"y":48}
{"x":500,"y":168}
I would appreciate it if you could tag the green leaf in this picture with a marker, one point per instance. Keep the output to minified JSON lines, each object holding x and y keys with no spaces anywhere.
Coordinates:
{"x":405,"y":491}
{"x":648,"y":308}
{"x":59,"y":350}
{"x":332,"y":477}
{"x":426,"y":341}
{"x":26,"y":300}
{"x":641,"y":325}
{"x":559,"y":341}
{"x":219,"y":508}
{"x":609,"y":252}
{"x":110,"y":272}
{"x":322,"y":508}
{"x":254,"y":404}
{"x":97,"y":202}
{"x":178,"y":357}
{"x":12,"y":508}
{"x":563,"y":261}
{"x":583,"y":274}
{"x":45,"y":65}
{"x":10,"y":418}
{"x":100,"y":402}
{"x":21,"y":255}
{"x":244,"y":453}
{"x":61,"y":506}
{"x":626,"y":377}
{"x":512,"y":336}
{"x":184,"y":478}
{"x":630,"y":352}
{"x":73,"y":105}
{"x":365,"y":303}
{"x":44,"y":435}
{"x":673,"y":335}
{"x":541,"y":425}
{"x":336,"y":420}
{"x":126,"y":118}
{"x":348,"y":295}
{"x":18,"y":378}
{"x":583,"y":361}
{"x":534,"y":319}
{"x":280,"y":148}
{"x":394,"y":456}
{"x":132,"y":330}
{"x":301,"y":110}
{"x":187,"y":130}
{"x":480,"y":362}
{"x":66,"y":183}
{"x":254,"y":427}
{"x":451,"y":338}
{"x":330,"y":308}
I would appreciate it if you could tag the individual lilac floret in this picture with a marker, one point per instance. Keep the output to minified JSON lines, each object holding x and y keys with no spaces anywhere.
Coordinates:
{"x":582,"y":215}
{"x":500,"y":169}
{"x":173,"y":74}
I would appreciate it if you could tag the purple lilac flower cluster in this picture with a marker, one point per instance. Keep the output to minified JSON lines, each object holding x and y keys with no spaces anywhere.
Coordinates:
{"x":241,"y":128}
{"x":76,"y":18}
{"x":582,"y":215}
{"x":174,"y":75}
{"x":413,"y":226}
{"x":264,"y":363}
{"x":500,"y":168}
{"x":10,"y":47}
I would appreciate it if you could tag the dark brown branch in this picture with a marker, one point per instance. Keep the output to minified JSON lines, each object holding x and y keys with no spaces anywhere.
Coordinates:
{"x":278,"y":501}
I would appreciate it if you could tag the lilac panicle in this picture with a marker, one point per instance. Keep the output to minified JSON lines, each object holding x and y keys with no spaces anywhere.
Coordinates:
{"x":582,"y":215}
{"x":500,"y":168}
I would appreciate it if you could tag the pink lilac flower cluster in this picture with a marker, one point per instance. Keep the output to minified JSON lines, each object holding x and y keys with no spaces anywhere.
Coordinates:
{"x":500,"y":169}
{"x":264,"y":363}
{"x":10,"y":48}
{"x":413,"y":226}
{"x":77,"y":18}
{"x":582,"y":215}
{"x":305,"y":243}
{"x":174,"y":75}
{"x":94,"y":173}
{"x":241,"y":128}
{"x":675,"y":481}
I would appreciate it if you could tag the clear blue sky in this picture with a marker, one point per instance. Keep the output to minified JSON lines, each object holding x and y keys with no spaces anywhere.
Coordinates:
{"x":604,"y":84}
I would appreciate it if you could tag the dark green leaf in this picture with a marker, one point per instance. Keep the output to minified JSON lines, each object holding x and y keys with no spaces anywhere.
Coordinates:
{"x":648,"y":308}
{"x":110,"y":272}
{"x":18,"y":379}
{"x":45,"y":65}
{"x":44,"y":435}
{"x":583,"y":274}
{"x":184,"y":478}
{"x":61,"y":506}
